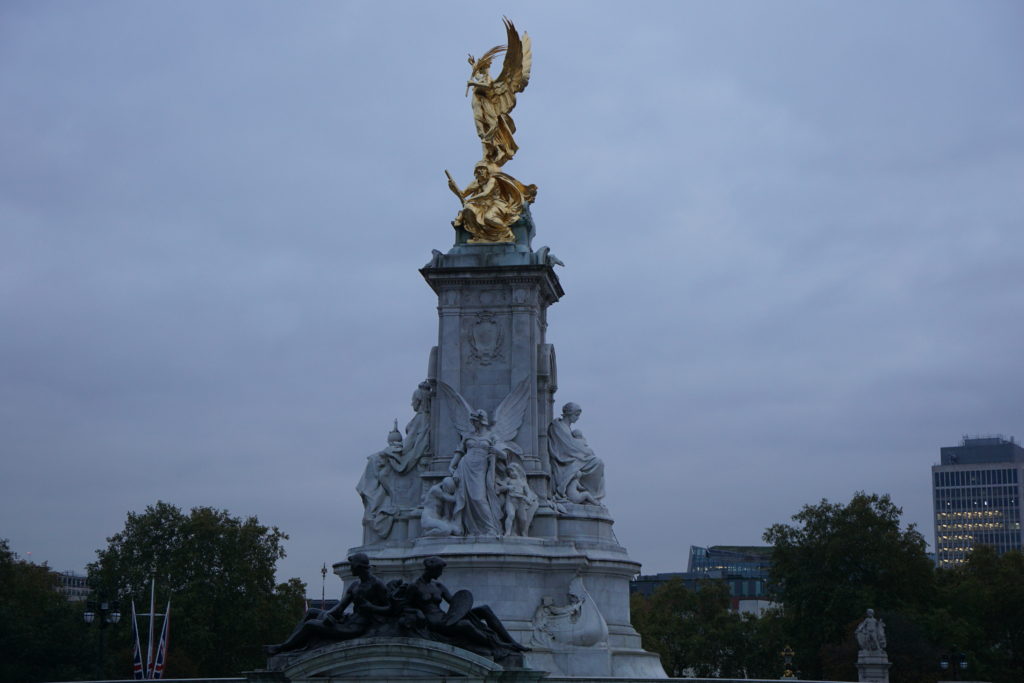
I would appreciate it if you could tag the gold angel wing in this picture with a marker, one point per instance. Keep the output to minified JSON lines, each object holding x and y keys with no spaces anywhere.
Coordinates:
{"x":515,"y":70}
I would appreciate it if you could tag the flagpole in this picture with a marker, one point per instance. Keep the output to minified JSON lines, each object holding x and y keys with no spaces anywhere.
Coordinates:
{"x":137,"y":672}
{"x":152,"y":610}
{"x":160,"y":663}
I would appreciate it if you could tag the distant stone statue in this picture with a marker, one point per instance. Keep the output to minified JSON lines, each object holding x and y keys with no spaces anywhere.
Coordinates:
{"x":437,"y":516}
{"x":577,"y":473}
{"x":368,"y":597}
{"x":520,"y":502}
{"x":871,"y":633}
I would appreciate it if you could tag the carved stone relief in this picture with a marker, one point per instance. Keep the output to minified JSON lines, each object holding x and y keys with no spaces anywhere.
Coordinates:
{"x":485,"y":338}
{"x":578,"y":622}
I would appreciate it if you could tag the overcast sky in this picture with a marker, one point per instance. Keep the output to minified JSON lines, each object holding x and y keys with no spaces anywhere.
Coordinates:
{"x":792,"y":234}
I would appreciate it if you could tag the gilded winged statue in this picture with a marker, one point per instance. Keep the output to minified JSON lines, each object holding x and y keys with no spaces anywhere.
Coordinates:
{"x":494,"y":200}
{"x":494,"y":99}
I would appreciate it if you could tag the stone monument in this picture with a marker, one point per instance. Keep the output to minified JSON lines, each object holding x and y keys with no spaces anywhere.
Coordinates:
{"x":486,"y":476}
{"x":872,"y":660}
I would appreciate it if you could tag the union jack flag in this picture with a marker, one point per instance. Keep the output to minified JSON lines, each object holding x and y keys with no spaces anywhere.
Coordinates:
{"x":138,"y":672}
{"x":161,"y":649}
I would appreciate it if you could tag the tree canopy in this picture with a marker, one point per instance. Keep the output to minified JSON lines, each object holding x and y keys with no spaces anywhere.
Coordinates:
{"x":830,"y":565}
{"x":697,"y":635}
{"x":981,"y":613}
{"x":42,"y":635}
{"x":218,"y":572}
{"x":838,"y":560}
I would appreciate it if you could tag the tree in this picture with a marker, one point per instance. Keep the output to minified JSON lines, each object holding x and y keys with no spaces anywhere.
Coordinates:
{"x":42,"y":635}
{"x":839,"y":560}
{"x":984,"y":601}
{"x":693,"y":631}
{"x":218,"y":572}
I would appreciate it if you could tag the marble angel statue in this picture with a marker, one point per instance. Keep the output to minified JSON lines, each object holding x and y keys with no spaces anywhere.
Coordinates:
{"x":481,"y":460}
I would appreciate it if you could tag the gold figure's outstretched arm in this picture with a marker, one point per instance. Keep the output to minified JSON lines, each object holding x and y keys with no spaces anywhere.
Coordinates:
{"x":453,"y":187}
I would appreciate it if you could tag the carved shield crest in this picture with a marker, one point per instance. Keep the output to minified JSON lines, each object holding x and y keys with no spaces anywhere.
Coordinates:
{"x":485,"y":339}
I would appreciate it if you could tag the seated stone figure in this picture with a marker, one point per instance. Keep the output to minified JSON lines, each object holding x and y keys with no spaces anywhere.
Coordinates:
{"x":577,"y":473}
{"x":370,"y":606}
{"x":436,"y":518}
{"x":465,"y":625}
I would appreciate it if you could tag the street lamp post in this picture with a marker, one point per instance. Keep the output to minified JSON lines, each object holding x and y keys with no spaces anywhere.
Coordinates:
{"x":787,"y":660}
{"x":957,"y":662}
{"x":102,"y":613}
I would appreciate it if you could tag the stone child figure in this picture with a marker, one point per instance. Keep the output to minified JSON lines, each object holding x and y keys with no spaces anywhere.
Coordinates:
{"x":477,"y":626}
{"x":368,"y":597}
{"x":577,"y":473}
{"x":520,"y":502}
{"x":871,"y":633}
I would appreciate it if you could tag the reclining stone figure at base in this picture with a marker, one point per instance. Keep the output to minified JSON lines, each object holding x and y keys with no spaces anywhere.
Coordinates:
{"x":474,"y":627}
{"x":400,"y":609}
{"x":370,"y":606}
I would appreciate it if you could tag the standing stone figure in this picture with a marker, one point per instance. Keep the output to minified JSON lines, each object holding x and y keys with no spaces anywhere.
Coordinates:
{"x":871,"y":633}
{"x":481,"y":460}
{"x":477,"y":508}
{"x":577,"y":473}
{"x":520,"y":502}
{"x":369,"y":599}
{"x":872,"y":661}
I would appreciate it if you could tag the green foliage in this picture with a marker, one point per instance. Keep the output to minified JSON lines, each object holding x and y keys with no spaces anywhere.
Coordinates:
{"x":218,"y":572}
{"x":984,"y":610}
{"x":42,"y":635}
{"x":697,"y":635}
{"x":828,"y":568}
{"x":838,"y":560}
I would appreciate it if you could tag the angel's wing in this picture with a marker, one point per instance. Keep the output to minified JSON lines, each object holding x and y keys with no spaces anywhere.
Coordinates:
{"x":508,"y":416}
{"x":458,"y":409}
{"x":515,"y":70}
